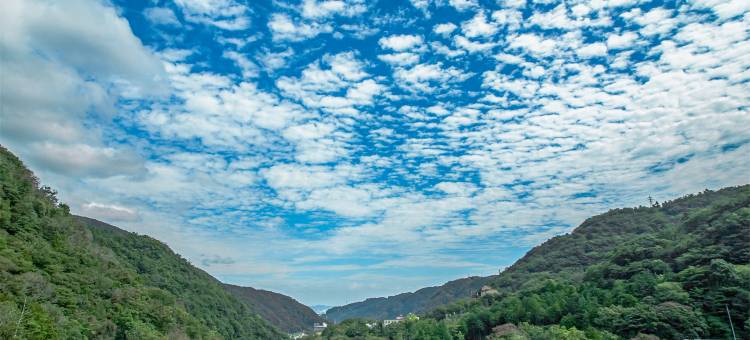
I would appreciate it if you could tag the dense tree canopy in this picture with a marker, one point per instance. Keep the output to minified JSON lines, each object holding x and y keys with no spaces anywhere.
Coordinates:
{"x":280,"y":310}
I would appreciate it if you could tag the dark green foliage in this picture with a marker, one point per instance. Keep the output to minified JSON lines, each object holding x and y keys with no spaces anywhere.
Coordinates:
{"x":61,"y":279}
{"x":669,"y":271}
{"x":410,"y":328}
{"x":280,"y":310}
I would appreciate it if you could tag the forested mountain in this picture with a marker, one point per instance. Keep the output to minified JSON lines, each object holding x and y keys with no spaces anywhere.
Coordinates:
{"x":280,"y":310}
{"x":421,"y":300}
{"x":674,"y":270}
{"x":61,"y":279}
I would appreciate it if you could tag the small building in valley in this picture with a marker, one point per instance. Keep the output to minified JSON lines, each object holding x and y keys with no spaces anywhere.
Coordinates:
{"x":400,"y":318}
{"x":391,"y":321}
{"x":298,"y":335}
{"x":319,"y":327}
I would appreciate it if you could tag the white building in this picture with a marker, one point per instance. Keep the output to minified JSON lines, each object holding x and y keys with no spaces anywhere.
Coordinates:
{"x":397,"y":319}
{"x":319,"y":327}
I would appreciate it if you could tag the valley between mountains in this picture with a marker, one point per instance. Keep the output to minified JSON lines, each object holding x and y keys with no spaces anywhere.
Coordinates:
{"x":676,"y":269}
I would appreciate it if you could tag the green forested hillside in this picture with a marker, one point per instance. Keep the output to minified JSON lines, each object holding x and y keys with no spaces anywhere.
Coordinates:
{"x":280,"y":310}
{"x":670,"y":271}
{"x":421,"y":300}
{"x":60,"y":279}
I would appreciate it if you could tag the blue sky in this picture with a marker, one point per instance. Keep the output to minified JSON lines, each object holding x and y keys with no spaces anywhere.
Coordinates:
{"x":339,"y":150}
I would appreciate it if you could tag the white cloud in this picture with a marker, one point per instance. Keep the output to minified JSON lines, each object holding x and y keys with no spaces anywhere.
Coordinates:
{"x":621,"y":41}
{"x":514,"y":3}
{"x":249,"y":69}
{"x":580,"y":10}
{"x":284,"y":28}
{"x":478,"y":26}
{"x":219,"y":113}
{"x":321,"y":83}
{"x":533,"y":44}
{"x":400,"y":42}
{"x":472,"y":46}
{"x":291,"y":176}
{"x":534,"y":71}
{"x":342,"y":200}
{"x":161,"y":16}
{"x":400,"y":59}
{"x":592,"y":50}
{"x":61,"y":65}
{"x":272,"y":61}
{"x":461,"y":189}
{"x":84,"y":160}
{"x":462,"y":5}
{"x":421,"y":77}
{"x":510,"y":18}
{"x":508,"y":58}
{"x":445,"y":29}
{"x":223,"y":14}
{"x":441,"y":49}
{"x":323,"y":9}
{"x":109,"y":212}
{"x":725,"y":9}
{"x":556,"y":18}
{"x":308,"y":131}
{"x":655,"y":22}
{"x":621,"y":3}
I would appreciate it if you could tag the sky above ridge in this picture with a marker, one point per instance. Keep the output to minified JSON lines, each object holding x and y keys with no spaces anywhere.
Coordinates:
{"x":339,"y":150}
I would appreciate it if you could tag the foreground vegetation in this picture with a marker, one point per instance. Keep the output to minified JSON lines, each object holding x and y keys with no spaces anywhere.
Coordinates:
{"x":670,"y":271}
{"x":62,"y":277}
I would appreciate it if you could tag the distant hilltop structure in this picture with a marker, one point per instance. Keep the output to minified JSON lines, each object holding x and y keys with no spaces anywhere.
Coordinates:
{"x":486,"y":290}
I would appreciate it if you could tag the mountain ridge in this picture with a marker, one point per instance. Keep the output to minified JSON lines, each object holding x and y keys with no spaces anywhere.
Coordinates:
{"x":280,"y":310}
{"x":420,"y":300}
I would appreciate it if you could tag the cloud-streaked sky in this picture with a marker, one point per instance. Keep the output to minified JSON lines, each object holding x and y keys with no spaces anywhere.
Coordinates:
{"x":338,"y":150}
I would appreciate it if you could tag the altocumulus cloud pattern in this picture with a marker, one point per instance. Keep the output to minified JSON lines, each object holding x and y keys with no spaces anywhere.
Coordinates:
{"x":326,"y":148}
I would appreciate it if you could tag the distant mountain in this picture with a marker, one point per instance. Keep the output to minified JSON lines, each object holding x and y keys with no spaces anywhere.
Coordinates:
{"x":419,"y":301}
{"x":593,"y":241}
{"x":320,"y":309}
{"x":68,"y":277}
{"x":280,"y":310}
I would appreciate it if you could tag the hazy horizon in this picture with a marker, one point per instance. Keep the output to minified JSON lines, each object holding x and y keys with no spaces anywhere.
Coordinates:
{"x":335,"y":151}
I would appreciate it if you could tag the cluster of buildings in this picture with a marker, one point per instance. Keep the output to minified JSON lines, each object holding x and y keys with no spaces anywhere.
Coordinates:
{"x":318,"y":327}
{"x":397,"y":319}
